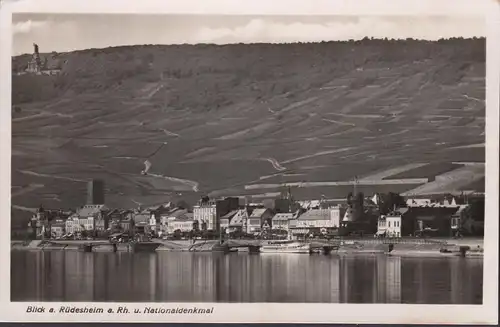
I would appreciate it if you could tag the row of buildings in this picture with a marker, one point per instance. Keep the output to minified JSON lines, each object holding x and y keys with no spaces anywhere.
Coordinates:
{"x":283,"y":216}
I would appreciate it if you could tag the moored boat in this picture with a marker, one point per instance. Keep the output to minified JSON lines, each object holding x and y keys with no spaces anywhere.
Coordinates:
{"x":286,"y":247}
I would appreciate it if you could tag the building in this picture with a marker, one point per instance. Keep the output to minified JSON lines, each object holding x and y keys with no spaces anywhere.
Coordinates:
{"x":91,"y":218}
{"x":234,"y":221}
{"x":391,"y":225}
{"x":281,"y":205}
{"x":155,"y":221}
{"x":95,"y":192}
{"x":226,"y":220}
{"x":310,"y":204}
{"x":443,"y":203}
{"x":72,"y":225}
{"x":335,"y":214}
{"x":458,"y":220}
{"x":428,"y":220}
{"x":281,"y":221}
{"x":208,"y":212}
{"x":183,"y":224}
{"x":167,"y":217}
{"x":258,"y":219}
{"x":316,"y":221}
{"x":41,"y":221}
{"x":141,"y":222}
{"x":126,"y":222}
{"x":58,"y":228}
{"x":381,"y":226}
{"x":114,"y":218}
{"x":154,"y":224}
{"x":49,"y":65}
{"x":239,"y":221}
{"x":35,"y":64}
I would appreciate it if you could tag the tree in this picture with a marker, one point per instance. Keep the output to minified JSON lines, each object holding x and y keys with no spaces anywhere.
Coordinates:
{"x":360,"y":200}
{"x":476,"y":209}
{"x":349,"y":198}
{"x":177,"y":234}
{"x":182,"y":205}
{"x":389,"y":201}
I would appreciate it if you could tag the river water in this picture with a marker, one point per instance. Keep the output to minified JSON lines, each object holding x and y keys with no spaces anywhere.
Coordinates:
{"x":239,"y":277}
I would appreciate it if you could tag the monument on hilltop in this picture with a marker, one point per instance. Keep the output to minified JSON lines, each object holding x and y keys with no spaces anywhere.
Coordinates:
{"x":38,"y":66}
{"x":35,"y":64}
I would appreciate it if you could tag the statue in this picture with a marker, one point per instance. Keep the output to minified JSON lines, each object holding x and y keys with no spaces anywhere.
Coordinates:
{"x":35,"y":46}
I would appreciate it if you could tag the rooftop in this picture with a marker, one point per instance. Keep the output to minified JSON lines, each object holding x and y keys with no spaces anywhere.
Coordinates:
{"x":398,"y":212}
{"x":316,"y":214}
{"x":90,"y":210}
{"x":230,"y":214}
{"x":283,"y":216}
{"x":175,"y":213}
{"x":257,"y":213}
{"x":188,"y":216}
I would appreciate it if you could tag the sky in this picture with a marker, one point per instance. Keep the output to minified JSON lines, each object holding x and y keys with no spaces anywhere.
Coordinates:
{"x":68,"y":32}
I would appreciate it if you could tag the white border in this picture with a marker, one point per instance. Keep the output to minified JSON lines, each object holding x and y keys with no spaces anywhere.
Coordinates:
{"x":292,"y":313}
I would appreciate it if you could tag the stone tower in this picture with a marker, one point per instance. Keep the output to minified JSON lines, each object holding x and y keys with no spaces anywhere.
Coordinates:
{"x":95,"y":192}
{"x":35,"y":64}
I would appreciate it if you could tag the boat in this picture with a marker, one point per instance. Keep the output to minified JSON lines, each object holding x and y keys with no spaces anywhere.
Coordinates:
{"x":143,"y":246}
{"x":286,"y":247}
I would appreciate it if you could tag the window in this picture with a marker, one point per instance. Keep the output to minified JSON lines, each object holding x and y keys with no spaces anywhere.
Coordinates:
{"x":388,"y":224}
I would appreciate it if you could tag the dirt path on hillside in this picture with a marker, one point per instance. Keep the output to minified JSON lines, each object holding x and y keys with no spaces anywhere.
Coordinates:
{"x":192,"y":184}
{"x":450,"y":182}
{"x":317,"y":154}
{"x":28,"y":189}
{"x":275,"y":163}
{"x":340,"y":183}
{"x":391,"y":172}
{"x":32,"y":173}
{"x":22,"y":208}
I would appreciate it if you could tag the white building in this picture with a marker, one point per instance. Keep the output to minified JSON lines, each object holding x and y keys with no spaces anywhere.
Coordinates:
{"x":314,"y":219}
{"x":72,"y":225}
{"x":431,"y":203}
{"x":206,"y":215}
{"x":85,"y":218}
{"x":390,"y":225}
{"x":335,"y":216}
{"x":281,"y":221}
{"x":184,"y":223}
{"x":167,"y":217}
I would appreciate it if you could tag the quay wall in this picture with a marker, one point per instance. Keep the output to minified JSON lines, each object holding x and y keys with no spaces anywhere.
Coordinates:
{"x":360,"y":246}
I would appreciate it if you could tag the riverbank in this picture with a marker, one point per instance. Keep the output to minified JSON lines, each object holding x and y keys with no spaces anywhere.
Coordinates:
{"x":400,"y":247}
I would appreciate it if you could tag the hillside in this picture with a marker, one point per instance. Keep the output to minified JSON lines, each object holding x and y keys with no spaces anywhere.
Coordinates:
{"x":238,"y":115}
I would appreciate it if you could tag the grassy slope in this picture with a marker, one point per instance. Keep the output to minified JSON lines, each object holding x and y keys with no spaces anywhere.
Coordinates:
{"x":225,"y":109}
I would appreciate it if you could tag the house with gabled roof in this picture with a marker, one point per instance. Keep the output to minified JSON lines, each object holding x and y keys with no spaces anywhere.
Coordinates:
{"x":259,"y":218}
{"x":226,"y":219}
{"x":282,"y":221}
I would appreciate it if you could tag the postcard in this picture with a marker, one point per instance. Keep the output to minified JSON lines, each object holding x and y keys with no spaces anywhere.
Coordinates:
{"x":250,"y":161}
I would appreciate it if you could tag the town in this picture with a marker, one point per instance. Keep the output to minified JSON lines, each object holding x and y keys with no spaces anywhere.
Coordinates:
{"x":380,"y":215}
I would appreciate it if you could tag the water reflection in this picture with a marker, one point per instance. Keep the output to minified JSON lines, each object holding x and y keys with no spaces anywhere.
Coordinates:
{"x":207,"y":277}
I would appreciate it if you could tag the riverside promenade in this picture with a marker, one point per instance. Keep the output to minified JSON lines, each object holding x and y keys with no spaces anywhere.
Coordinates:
{"x":396,"y":246}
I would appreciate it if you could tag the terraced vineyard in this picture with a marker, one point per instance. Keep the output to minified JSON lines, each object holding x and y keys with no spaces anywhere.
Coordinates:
{"x":238,"y":115}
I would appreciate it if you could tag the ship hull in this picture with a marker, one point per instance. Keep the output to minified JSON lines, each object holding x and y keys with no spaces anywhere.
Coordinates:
{"x":286,"y":248}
